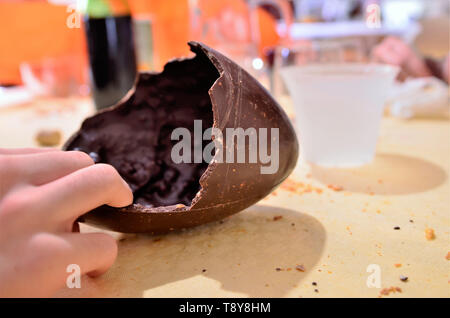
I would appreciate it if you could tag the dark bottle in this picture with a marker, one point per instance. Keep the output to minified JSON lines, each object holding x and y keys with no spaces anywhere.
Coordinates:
{"x":112,"y":55}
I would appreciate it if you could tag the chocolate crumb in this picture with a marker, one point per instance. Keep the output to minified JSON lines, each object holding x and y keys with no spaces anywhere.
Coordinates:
{"x":411,"y":221}
{"x":278,"y":217}
{"x":392,"y":289}
{"x":300,"y":268}
{"x":203,"y":270}
{"x":48,"y":138}
{"x":397,"y":228}
{"x":403,"y":278}
{"x":429,"y":234}
{"x":316,"y":290}
{"x":314,"y":283}
{"x":278,"y":269}
{"x":335,"y":187}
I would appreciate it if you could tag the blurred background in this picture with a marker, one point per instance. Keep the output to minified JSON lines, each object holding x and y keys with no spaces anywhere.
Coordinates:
{"x":33,"y":30}
{"x":65,"y":49}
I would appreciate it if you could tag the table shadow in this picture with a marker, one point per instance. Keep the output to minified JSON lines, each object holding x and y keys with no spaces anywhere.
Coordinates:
{"x":241,"y":253}
{"x":387,"y":174}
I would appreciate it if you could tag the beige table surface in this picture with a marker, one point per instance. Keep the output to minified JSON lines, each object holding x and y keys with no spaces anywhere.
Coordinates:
{"x":334,"y":235}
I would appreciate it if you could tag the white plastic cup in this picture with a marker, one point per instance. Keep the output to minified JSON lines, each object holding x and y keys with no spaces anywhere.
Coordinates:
{"x":338,"y":110}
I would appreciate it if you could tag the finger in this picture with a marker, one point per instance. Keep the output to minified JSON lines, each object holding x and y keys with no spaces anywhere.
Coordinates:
{"x":59,"y":258}
{"x":394,"y":42}
{"x":83,"y":190}
{"x":376,"y":54}
{"x":386,"y":55}
{"x":93,"y":252}
{"x":403,"y":50}
{"x":41,"y":168}
{"x":25,"y":151}
{"x":446,"y":69}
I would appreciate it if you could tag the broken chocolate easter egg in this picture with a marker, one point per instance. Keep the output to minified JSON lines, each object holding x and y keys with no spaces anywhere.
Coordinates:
{"x":205,"y":107}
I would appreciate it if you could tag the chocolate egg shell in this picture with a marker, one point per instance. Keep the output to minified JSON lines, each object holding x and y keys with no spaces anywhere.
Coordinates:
{"x":134,"y":137}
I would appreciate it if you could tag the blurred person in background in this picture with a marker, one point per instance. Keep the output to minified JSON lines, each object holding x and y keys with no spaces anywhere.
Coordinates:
{"x":394,"y":51}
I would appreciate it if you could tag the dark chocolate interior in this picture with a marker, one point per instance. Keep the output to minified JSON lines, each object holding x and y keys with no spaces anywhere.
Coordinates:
{"x":135,"y":137}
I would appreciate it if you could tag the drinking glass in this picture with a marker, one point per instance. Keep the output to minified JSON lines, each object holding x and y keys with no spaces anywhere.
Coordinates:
{"x":338,"y":109}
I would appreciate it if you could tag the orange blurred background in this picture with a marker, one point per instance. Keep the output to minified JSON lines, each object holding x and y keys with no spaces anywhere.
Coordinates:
{"x":33,"y":30}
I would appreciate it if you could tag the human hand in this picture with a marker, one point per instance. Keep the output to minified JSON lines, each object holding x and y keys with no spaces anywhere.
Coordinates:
{"x":395,"y":52}
{"x":42,"y":193}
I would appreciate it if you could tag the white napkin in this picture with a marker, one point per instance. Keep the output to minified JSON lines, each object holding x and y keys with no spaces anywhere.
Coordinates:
{"x":419,"y":97}
{"x":11,"y":96}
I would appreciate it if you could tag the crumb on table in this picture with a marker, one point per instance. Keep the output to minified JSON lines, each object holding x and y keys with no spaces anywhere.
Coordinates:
{"x":335,"y":187}
{"x":429,"y":234}
{"x":295,"y":187}
{"x":300,"y":268}
{"x":392,"y":289}
{"x":403,"y":278}
{"x":48,"y":137}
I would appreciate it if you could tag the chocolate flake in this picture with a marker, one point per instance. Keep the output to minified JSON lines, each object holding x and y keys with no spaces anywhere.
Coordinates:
{"x":403,"y":278}
{"x":300,"y":268}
